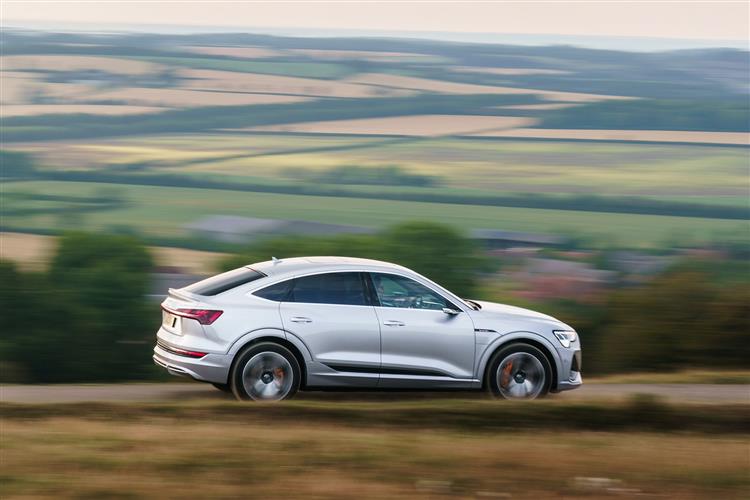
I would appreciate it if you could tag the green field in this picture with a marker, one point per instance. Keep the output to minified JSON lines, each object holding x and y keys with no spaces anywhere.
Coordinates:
{"x":714,"y":174}
{"x":162,"y":211}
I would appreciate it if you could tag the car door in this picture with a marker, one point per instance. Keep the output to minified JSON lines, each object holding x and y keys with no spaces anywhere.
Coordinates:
{"x":421,"y":345}
{"x":332,"y":314}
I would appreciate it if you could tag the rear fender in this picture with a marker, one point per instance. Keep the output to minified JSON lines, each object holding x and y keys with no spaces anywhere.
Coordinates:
{"x":269,"y":332}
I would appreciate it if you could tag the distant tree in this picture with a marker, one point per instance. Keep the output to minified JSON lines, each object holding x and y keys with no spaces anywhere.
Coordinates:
{"x":439,"y":252}
{"x":14,"y":164}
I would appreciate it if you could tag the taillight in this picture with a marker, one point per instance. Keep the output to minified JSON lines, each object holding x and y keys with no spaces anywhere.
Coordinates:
{"x":203,"y":316}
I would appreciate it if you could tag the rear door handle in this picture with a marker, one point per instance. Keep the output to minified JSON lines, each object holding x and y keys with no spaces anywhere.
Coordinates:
{"x":300,"y":319}
{"x":391,"y":322}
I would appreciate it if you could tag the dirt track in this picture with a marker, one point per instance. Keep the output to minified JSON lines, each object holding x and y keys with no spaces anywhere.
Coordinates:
{"x":701,"y":393}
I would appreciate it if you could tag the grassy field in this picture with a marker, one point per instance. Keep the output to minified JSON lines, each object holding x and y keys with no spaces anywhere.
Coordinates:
{"x":739,"y":138}
{"x":713,"y":173}
{"x":34,"y":252}
{"x":163,"y":211}
{"x":368,"y":450}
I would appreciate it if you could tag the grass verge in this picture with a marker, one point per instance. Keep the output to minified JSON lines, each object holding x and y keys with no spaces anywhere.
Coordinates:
{"x":427,"y":449}
{"x":640,"y":413}
{"x":679,"y":377}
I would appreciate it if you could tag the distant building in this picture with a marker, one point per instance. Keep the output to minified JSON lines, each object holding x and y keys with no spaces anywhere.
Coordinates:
{"x":496,"y":239}
{"x":165,"y":277}
{"x":556,"y":279}
{"x":235,"y":229}
{"x":637,"y":263}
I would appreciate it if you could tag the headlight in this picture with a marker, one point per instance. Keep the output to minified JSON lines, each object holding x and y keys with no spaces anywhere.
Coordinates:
{"x":565,"y":337}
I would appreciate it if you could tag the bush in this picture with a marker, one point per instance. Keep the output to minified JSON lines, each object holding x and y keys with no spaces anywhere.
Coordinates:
{"x":86,"y":319}
{"x":681,"y":319}
{"x":437,"y":251}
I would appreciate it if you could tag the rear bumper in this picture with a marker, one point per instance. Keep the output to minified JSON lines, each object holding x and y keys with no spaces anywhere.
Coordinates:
{"x":210,"y":368}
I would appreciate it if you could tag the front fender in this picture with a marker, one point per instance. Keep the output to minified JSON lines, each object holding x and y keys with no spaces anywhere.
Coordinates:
{"x":503,"y":339}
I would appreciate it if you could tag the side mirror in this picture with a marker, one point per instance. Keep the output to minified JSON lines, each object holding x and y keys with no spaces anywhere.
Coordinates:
{"x":450,"y":312}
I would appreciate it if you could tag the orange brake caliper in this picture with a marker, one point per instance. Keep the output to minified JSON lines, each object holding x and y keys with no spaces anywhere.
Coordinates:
{"x":505,"y":378}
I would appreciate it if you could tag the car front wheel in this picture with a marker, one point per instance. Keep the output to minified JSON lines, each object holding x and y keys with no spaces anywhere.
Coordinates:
{"x":519,"y":371}
{"x":265,"y":372}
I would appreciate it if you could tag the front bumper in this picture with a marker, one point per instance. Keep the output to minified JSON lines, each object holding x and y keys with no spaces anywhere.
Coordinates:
{"x":210,"y":368}
{"x":569,"y":377}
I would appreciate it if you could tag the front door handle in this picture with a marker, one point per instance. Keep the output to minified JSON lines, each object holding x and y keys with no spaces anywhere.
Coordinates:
{"x":300,"y":319}
{"x":391,"y":322}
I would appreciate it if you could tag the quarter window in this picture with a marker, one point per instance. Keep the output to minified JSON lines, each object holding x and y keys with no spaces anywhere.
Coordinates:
{"x":405,"y":293}
{"x":277,"y":292}
{"x":332,"y":288}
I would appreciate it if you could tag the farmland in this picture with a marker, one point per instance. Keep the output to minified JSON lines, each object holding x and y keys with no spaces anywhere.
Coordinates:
{"x":457,"y":163}
{"x":642,"y":150}
{"x":175,"y":207}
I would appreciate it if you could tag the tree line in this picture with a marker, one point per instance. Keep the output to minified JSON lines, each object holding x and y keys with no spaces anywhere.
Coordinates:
{"x":86,"y":317}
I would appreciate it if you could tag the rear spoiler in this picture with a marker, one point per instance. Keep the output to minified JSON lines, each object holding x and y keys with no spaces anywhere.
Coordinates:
{"x":182,"y":295}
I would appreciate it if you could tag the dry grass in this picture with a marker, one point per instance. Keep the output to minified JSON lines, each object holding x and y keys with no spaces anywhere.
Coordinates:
{"x":16,"y":86}
{"x":77,"y":63}
{"x":363,"y":55}
{"x":625,"y":135}
{"x":275,"y":84}
{"x":414,"y":125}
{"x":240,"y":52}
{"x":89,"y":109}
{"x":680,"y":377}
{"x":34,"y":252}
{"x":106,"y":456}
{"x":424,"y":84}
{"x":139,"y":96}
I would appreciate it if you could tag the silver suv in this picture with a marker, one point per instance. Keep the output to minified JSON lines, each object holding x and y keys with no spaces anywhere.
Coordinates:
{"x":269,"y":329}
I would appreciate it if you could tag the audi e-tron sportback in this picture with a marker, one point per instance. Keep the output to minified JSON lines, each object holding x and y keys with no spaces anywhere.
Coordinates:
{"x":267,"y":330}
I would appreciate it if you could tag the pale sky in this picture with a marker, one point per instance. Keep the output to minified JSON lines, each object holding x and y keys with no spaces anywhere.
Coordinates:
{"x":706,"y":20}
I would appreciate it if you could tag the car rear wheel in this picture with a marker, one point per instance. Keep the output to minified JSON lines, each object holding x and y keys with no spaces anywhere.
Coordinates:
{"x":265,"y":372}
{"x":519,"y":371}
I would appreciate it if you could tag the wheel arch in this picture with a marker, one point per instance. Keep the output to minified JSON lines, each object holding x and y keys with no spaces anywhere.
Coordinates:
{"x":529,"y":338}
{"x":246,"y":343}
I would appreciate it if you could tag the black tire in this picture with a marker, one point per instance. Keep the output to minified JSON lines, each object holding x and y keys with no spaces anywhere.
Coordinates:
{"x":513,"y":381}
{"x":222,"y":387}
{"x":273,"y":367}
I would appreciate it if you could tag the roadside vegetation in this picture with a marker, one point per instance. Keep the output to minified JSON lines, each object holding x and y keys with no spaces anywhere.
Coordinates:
{"x":399,"y":450}
{"x":687,"y":317}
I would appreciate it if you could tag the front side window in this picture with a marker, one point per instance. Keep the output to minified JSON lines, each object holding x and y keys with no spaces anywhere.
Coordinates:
{"x":405,"y":293}
{"x":332,"y":288}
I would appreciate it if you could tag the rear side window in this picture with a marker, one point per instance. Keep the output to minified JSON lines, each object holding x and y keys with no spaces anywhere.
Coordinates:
{"x":225,"y":281}
{"x":277,"y":292}
{"x":332,"y":288}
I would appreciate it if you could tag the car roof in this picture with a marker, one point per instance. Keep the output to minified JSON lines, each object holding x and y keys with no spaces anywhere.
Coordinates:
{"x":304,"y":265}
